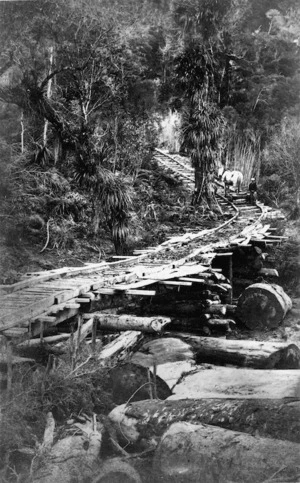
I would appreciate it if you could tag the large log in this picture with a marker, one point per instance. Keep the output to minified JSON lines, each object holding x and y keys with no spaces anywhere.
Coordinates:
{"x":263,"y":306}
{"x":185,"y":308}
{"x":130,"y":322}
{"x":244,"y":353}
{"x":146,"y":421}
{"x":180,"y":346}
{"x":224,"y":382}
{"x":194,"y":453}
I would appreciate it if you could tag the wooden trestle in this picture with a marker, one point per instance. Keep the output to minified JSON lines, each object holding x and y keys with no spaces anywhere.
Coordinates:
{"x":45,"y":299}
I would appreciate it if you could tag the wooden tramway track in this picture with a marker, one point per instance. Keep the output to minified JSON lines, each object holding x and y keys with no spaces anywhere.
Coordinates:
{"x":42,"y":300}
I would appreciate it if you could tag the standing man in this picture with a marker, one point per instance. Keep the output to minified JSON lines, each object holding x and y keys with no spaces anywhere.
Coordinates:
{"x":253,"y":191}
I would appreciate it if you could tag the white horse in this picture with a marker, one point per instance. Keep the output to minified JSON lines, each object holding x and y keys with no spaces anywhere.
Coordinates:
{"x":231,"y":178}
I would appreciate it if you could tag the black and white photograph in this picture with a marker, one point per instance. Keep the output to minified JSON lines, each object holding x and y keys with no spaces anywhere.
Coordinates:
{"x":149,"y":241}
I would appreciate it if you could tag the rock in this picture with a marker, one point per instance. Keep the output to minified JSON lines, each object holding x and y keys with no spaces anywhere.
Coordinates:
{"x":130,"y":382}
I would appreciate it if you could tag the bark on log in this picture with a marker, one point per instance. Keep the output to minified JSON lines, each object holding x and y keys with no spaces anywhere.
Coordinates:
{"x":177,"y":309}
{"x":217,"y":309}
{"x":263,"y":306}
{"x":130,"y":322}
{"x":194,"y":453}
{"x":230,"y":309}
{"x":190,"y":324}
{"x":52,"y":339}
{"x":221,"y":324}
{"x":119,"y":348}
{"x":244,"y":353}
{"x":148,"y":420}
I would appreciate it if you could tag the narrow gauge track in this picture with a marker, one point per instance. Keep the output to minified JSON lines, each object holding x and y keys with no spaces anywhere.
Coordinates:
{"x":48,"y":298}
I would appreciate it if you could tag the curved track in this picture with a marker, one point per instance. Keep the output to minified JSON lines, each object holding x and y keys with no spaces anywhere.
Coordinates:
{"x":48,"y":298}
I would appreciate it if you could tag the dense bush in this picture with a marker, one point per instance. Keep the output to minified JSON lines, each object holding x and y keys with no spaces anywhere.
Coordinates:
{"x":280,"y":170}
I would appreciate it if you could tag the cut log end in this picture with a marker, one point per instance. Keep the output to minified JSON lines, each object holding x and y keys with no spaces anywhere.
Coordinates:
{"x":263,"y":306}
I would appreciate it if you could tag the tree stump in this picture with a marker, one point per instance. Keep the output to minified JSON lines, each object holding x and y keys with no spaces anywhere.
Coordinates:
{"x":263,"y":306}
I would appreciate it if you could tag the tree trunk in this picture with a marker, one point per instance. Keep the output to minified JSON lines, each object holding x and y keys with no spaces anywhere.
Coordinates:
{"x":224,"y":382}
{"x":204,"y":185}
{"x":190,"y":308}
{"x":148,"y":420}
{"x":263,"y":306}
{"x":245,"y":353}
{"x":129,"y":322}
{"x":209,"y":454}
{"x":254,"y":354}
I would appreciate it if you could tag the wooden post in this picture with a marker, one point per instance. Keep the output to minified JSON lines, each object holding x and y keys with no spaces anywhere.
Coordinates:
{"x":77,"y":341}
{"x":150,"y":384}
{"x":230,"y":280}
{"x":72,"y":349}
{"x":154,"y":379}
{"x":94,"y":334}
{"x":41,"y":331}
{"x":79,"y":325}
{"x":22,"y":132}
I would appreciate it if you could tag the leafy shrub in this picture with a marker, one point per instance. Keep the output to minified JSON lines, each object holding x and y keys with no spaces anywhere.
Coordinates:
{"x":36,"y":392}
{"x":280,"y":182}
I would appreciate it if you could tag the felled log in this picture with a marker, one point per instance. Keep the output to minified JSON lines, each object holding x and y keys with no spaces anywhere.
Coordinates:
{"x":263,"y":306}
{"x":69,"y":459}
{"x":190,"y":324}
{"x":52,"y":339}
{"x":253,"y":354}
{"x":217,"y":309}
{"x":119,"y":348}
{"x":180,"y":309}
{"x":245,"y":353}
{"x":130,"y":322}
{"x":148,"y":420}
{"x":220,"y":324}
{"x":224,"y":382}
{"x":230,"y":309}
{"x":207,"y":454}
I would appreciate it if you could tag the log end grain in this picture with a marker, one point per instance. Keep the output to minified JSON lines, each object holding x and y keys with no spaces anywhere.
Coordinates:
{"x":263,"y":306}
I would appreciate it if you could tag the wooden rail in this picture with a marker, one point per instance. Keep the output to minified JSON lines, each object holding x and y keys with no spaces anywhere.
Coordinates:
{"x":45,"y":299}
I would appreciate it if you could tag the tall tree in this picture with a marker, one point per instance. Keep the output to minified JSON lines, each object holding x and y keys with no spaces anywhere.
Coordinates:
{"x":92,"y":69}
